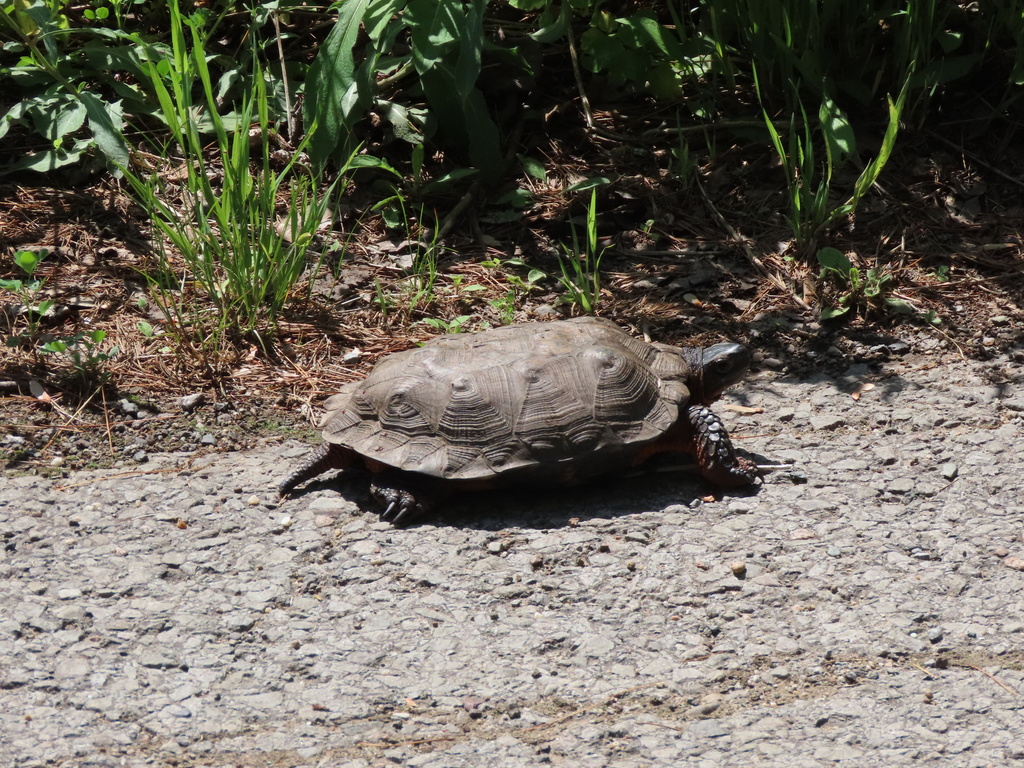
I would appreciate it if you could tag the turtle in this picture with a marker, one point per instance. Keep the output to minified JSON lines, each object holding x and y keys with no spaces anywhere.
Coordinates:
{"x":559,"y":402}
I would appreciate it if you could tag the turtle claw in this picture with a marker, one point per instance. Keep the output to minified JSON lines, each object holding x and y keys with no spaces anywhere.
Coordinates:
{"x":400,"y":505}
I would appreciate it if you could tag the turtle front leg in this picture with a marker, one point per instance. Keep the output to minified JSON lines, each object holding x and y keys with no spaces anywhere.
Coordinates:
{"x":716,"y":458}
{"x":403,"y":500}
{"x":326,"y":456}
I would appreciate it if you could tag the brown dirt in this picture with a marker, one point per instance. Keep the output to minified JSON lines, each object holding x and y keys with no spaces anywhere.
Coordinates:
{"x":945,"y":225}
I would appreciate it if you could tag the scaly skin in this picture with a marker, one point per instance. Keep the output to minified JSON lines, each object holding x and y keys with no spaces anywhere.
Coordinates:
{"x":325,"y":457}
{"x":716,"y":458}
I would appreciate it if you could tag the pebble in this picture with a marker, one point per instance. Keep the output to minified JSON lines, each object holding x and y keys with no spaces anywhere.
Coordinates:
{"x":187,"y":618}
{"x":191,"y":402}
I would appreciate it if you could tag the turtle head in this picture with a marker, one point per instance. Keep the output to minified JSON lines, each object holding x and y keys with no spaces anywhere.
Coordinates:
{"x":720,"y":366}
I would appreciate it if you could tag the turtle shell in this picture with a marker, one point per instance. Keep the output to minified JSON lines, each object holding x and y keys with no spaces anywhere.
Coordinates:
{"x":538,"y":395}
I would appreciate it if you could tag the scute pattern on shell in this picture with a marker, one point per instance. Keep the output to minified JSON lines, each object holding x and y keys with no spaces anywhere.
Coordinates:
{"x":464,"y":407}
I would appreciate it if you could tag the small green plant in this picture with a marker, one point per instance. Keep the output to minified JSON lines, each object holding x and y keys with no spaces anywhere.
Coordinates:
{"x":383,"y":298}
{"x":505,"y":306}
{"x":82,"y":348}
{"x":25,"y":291}
{"x":421,"y":269}
{"x":520,"y":284}
{"x":871,"y":287}
{"x":84,"y":352}
{"x":454,"y":325}
{"x":56,"y":73}
{"x":812,"y":211}
{"x":581,"y":267}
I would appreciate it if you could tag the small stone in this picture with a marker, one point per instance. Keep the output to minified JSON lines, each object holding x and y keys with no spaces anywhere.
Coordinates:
{"x":156,"y":659}
{"x":208,"y":439}
{"x":354,"y":355}
{"x":949,"y":470}
{"x":834,"y":551}
{"x":802,"y":534}
{"x":253,"y":500}
{"x":827,"y":421}
{"x":473,"y":705}
{"x":901,"y":485}
{"x":782,"y":673}
{"x":128,"y":407}
{"x":1014,"y":562}
{"x":191,"y":402}
{"x":57,"y":461}
{"x":738,"y":568}
{"x":796,"y":476}
{"x":935,"y":634}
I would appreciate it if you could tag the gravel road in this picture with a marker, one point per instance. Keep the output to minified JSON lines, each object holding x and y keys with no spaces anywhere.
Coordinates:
{"x":863,"y":608}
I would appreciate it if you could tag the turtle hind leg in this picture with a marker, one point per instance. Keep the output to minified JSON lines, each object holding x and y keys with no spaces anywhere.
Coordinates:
{"x":403,"y":498}
{"x":716,"y":458}
{"x":326,"y":456}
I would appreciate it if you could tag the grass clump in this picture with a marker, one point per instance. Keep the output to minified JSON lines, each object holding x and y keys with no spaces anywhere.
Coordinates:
{"x":244,"y":241}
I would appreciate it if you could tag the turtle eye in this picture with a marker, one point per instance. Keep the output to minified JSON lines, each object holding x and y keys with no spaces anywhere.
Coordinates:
{"x":725,"y":365}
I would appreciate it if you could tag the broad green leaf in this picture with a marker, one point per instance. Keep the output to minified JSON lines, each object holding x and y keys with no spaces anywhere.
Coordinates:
{"x":446,"y":179}
{"x":105,"y":120}
{"x":834,"y":259}
{"x":46,"y":161}
{"x":471,"y":40}
{"x":15,"y":113}
{"x":591,"y":183}
{"x":435,"y":27}
{"x":517,"y":198}
{"x":839,"y":138}
{"x":646,"y":32}
{"x":557,"y":28}
{"x":66,"y":118}
{"x":332,"y":90}
{"x":379,"y":15}
{"x":899,"y":306}
{"x":533,"y":167}
{"x":27,"y":260}
{"x":829,"y":313}
{"x":398,"y":116}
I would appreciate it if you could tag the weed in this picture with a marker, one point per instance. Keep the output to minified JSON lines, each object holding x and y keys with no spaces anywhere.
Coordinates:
{"x":421,"y":271}
{"x":808,"y":182}
{"x":505,"y":306}
{"x":26,"y":291}
{"x":82,"y":349}
{"x":454,"y":325}
{"x":245,"y":259}
{"x":581,"y":267}
{"x":84,"y":352}
{"x":871,"y":288}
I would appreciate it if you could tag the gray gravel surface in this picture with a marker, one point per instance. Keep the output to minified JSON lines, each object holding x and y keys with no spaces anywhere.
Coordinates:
{"x":863,"y":608}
